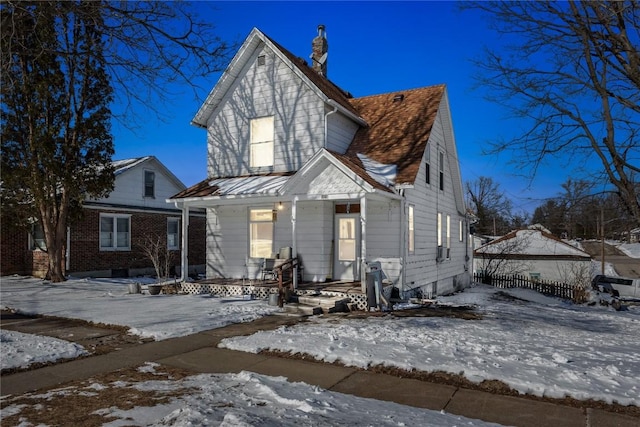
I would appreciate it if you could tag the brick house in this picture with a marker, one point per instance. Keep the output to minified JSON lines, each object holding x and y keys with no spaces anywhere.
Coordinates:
{"x":107,"y":241}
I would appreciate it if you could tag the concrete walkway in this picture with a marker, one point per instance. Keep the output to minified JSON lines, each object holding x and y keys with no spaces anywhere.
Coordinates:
{"x":199,"y":354}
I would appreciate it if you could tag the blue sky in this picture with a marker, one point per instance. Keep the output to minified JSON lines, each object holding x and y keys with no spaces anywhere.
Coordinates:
{"x":374,"y":47}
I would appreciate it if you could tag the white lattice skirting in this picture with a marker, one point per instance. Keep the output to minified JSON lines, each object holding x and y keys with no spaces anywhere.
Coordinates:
{"x":260,"y":292}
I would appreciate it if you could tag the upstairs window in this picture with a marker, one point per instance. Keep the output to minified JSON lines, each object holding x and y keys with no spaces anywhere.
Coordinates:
{"x":149,"y":184}
{"x":262,"y":135}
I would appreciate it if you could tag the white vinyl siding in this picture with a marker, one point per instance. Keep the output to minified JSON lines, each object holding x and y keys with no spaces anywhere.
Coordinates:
{"x":129,"y":188}
{"x":262,"y":91}
{"x":115,"y":232}
{"x":262,"y":136}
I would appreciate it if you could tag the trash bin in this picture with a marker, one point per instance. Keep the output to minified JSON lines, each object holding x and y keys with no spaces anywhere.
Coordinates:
{"x":135,"y":288}
{"x":374,"y":283}
{"x":273,"y":299}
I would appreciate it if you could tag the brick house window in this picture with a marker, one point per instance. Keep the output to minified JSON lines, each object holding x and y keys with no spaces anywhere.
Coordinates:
{"x":115,"y":232}
{"x":36,"y":238}
{"x":173,"y":233}
{"x":261,"y":145}
{"x":149,"y":183}
{"x":260,"y":233}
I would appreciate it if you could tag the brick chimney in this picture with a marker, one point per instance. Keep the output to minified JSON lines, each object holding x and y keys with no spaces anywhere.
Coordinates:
{"x":319,"y":48}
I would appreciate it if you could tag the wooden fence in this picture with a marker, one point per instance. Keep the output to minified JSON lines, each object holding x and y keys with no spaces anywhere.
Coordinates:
{"x":546,"y":287}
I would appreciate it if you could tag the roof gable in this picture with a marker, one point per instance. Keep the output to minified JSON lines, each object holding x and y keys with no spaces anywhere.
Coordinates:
{"x":400,"y":124}
{"x":324,"y":88}
{"x":125,"y":165}
{"x":530,"y":242}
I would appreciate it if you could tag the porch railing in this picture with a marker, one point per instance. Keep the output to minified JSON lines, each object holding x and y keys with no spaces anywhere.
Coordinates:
{"x":286,"y":285}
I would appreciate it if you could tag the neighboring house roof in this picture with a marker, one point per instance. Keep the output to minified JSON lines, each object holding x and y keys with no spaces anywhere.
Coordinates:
{"x":399,"y":127}
{"x":530,"y":244}
{"x":124,"y":165}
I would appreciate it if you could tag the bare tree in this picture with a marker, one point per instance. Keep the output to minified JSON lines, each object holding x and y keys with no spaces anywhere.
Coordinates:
{"x":489,"y":205}
{"x":155,"y":249}
{"x":572,"y":71}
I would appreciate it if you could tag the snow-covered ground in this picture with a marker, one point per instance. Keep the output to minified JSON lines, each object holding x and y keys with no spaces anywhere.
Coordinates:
{"x":109,"y":301}
{"x":245,"y":399}
{"x":20,"y":350}
{"x":535,"y":344}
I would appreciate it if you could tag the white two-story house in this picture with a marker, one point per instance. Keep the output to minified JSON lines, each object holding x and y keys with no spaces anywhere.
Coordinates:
{"x":294,"y":161}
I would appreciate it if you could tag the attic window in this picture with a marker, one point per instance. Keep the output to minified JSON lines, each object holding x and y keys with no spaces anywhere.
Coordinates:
{"x":398,"y":98}
{"x":261,"y":60}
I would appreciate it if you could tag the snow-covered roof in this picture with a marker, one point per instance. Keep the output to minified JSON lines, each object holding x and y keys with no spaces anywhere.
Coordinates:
{"x":382,"y":173}
{"x":531,"y":243}
{"x":126,"y":164}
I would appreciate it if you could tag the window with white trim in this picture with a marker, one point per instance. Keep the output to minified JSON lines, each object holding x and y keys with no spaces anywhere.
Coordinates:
{"x":411,"y":239}
{"x":427,"y":166}
{"x":460,"y":231}
{"x":115,"y":232}
{"x":448,"y":254}
{"x":439,"y":231}
{"x":441,"y":166}
{"x":36,"y":238}
{"x":149,"y":183}
{"x":173,"y":233}
{"x":261,"y":145}
{"x":260,"y":233}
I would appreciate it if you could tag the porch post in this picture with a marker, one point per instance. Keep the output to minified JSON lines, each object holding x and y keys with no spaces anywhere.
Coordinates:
{"x":363,"y":243}
{"x":294,"y":248}
{"x":184,"y":261}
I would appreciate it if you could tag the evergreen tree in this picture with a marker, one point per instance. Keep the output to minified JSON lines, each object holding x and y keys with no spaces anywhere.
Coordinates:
{"x":56,"y":141}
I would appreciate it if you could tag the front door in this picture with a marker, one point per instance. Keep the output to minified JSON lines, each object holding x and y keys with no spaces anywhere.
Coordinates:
{"x":347,"y":247}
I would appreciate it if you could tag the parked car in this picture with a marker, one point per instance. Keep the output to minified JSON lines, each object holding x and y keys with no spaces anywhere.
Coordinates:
{"x":621,"y":287}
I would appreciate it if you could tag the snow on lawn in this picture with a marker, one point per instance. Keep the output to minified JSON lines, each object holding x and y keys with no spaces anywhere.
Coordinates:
{"x":543,"y":346}
{"x":108,"y":301}
{"x":249,"y":399}
{"x":21,"y":350}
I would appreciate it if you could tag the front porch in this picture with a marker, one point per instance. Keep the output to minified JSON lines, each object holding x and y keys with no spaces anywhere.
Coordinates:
{"x":261,"y":289}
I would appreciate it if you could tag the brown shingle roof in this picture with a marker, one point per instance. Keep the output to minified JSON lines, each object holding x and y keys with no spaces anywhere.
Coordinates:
{"x":398,"y":130}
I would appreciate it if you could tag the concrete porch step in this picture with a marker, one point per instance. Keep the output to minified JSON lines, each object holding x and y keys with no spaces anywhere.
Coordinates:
{"x":328,"y":304}
{"x":302,"y":309}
